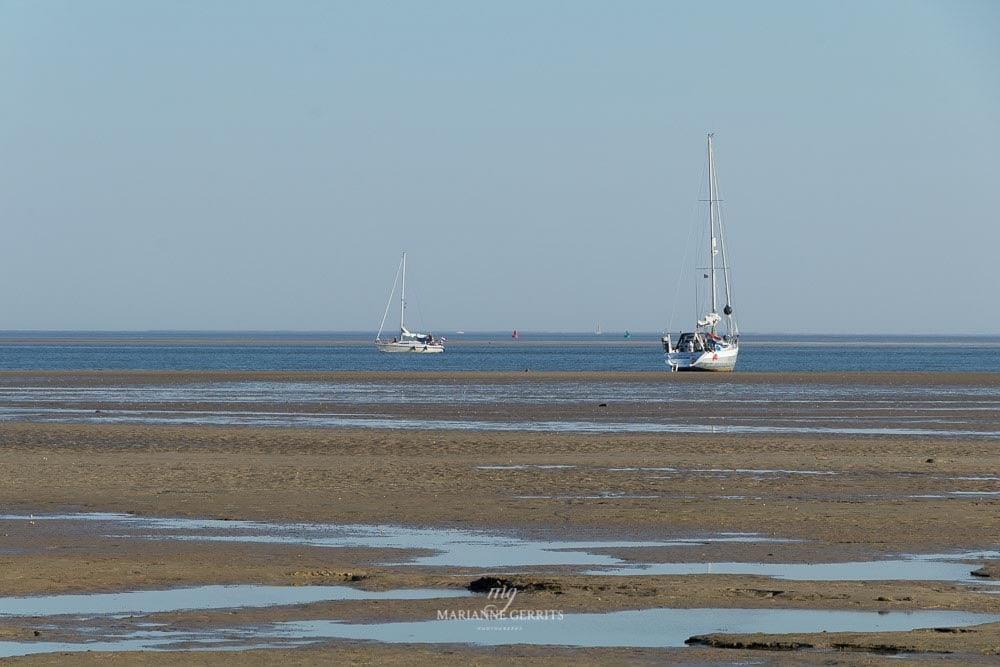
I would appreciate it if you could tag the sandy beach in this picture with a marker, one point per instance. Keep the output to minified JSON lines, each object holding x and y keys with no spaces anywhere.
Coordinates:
{"x":822,"y":498}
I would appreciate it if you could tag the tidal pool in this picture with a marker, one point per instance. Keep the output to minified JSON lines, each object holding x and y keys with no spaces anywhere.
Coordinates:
{"x":638,"y":628}
{"x":937,"y":567}
{"x":200,"y":598}
{"x":446,"y":547}
{"x":500,"y":550}
{"x":663,"y":628}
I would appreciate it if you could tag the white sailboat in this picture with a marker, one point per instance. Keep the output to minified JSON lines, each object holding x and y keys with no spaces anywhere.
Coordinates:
{"x":406,"y":341}
{"x":709,"y":348}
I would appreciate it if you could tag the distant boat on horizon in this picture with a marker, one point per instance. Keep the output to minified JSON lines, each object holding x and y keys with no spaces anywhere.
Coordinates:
{"x":514,"y":335}
{"x":406,"y":341}
{"x":704,"y":349}
{"x":598,"y":331}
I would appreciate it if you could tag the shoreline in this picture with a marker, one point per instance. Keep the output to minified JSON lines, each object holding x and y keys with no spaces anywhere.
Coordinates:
{"x":928,"y":378}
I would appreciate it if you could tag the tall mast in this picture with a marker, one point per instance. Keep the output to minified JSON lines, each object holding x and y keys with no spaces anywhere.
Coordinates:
{"x":728,"y":309}
{"x":711,"y":219}
{"x":402,"y":295}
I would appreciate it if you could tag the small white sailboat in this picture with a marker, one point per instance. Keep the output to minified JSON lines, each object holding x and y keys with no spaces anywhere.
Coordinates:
{"x":406,"y":341}
{"x":709,"y":348}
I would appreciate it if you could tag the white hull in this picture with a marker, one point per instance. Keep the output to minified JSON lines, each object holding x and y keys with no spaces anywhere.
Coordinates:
{"x":407,"y":342}
{"x":717,"y":360}
{"x":412,"y":348}
{"x":709,"y":347}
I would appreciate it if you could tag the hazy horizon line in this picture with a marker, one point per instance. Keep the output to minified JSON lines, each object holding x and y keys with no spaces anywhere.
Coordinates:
{"x":604,"y":334}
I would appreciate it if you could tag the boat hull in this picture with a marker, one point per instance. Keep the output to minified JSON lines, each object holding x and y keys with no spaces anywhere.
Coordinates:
{"x":719,"y":360}
{"x":410,"y":348}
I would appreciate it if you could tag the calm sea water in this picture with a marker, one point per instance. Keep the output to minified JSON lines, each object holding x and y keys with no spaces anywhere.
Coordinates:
{"x":477,"y":352}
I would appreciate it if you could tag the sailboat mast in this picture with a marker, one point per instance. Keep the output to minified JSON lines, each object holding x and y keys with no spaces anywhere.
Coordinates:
{"x":402,"y":295}
{"x":711,"y":220}
{"x":728,"y":309}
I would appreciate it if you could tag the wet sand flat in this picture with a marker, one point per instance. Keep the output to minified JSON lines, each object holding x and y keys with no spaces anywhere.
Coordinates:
{"x":858,"y":404}
{"x":894,"y":378}
{"x":835,"y":498}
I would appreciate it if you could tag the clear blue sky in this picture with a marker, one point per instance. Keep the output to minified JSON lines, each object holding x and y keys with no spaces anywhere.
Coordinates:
{"x":198,"y":164}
